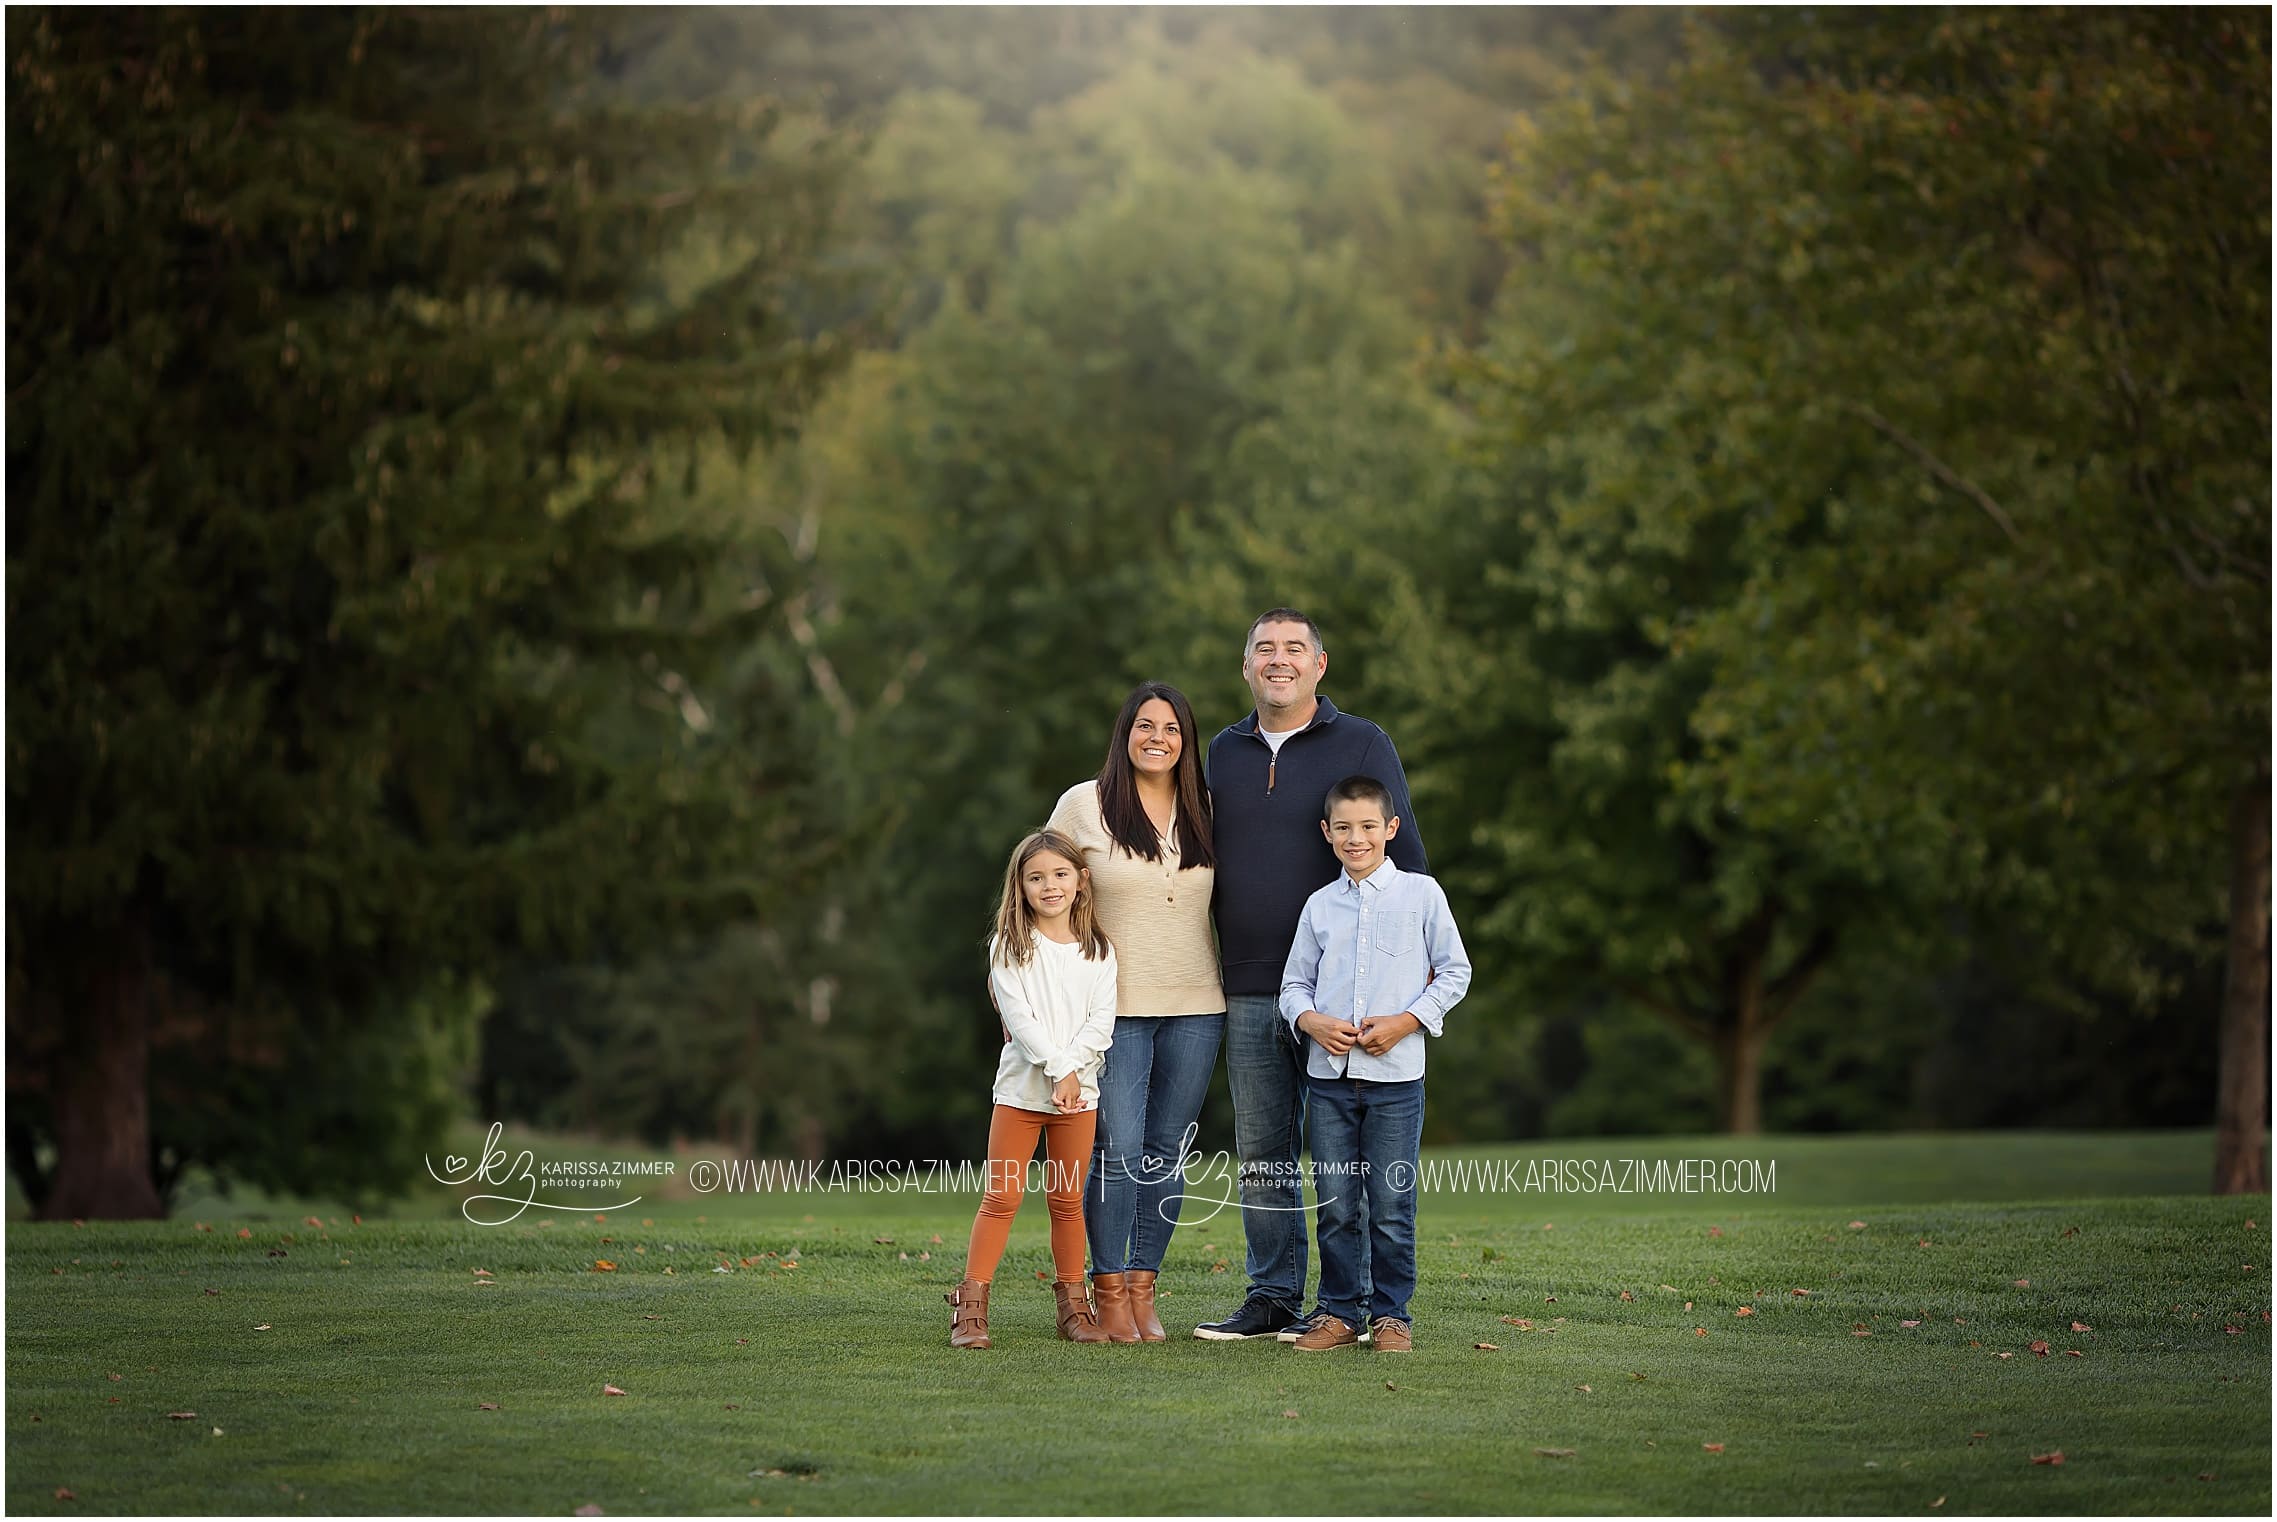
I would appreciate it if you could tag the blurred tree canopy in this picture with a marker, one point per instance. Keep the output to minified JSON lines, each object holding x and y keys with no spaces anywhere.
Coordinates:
{"x":359,"y":592}
{"x":1936,"y":346}
{"x":531,"y":553}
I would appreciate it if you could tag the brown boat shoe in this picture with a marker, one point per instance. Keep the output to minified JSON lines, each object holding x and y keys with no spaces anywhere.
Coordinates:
{"x":1391,"y":1336}
{"x":1328,"y":1333}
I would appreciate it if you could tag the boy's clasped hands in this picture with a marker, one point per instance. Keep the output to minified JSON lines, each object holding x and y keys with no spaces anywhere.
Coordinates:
{"x":1375,"y":1035}
{"x":1067,"y":1095}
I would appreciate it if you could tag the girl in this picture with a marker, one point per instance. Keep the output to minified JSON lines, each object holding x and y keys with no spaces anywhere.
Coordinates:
{"x":1051,"y":972}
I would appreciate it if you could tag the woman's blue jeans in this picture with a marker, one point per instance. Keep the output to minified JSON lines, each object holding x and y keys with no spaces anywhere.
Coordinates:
{"x":1151,"y":1090}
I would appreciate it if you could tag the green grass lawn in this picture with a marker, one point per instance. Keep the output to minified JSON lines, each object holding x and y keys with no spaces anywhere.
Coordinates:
{"x":347,"y":1366}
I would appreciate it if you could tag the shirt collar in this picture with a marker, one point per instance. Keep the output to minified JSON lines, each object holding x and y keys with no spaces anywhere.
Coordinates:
{"x":1375,"y":882}
{"x":1324,"y":714}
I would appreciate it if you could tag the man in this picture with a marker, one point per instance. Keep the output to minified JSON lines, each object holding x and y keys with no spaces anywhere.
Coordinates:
{"x":1267,"y":775}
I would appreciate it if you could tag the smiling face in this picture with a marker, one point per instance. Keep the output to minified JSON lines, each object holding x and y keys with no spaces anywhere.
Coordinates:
{"x":1283,"y":669}
{"x":1357,"y":832}
{"x":1155,"y":741}
{"x":1050,"y":883}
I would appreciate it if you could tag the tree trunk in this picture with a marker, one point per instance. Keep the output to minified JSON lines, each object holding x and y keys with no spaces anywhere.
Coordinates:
{"x":1739,"y":1075}
{"x":1746,"y":1026}
{"x":2241,"y":1108}
{"x":99,"y":1087}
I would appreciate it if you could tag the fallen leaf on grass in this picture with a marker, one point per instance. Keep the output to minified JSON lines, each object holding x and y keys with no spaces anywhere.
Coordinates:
{"x":1584,"y":1389}
{"x":2081,"y":1326}
{"x":2204,"y":1475}
{"x":883,"y":1241}
{"x":1711,"y":1447}
{"x":115,"y":1378}
{"x":1745,"y":1310}
{"x":1940,"y":1501}
{"x":1687,"y":1305}
{"x":488,"y":1405}
{"x":1389,"y":1385}
{"x":603,"y":1266}
{"x":1625,"y":1295}
{"x":63,"y":1492}
{"x":2039,"y":1350}
{"x":589,"y":1510}
{"x":1520,"y":1322}
{"x":1857,"y":1225}
{"x":260,"y":1326}
{"x":1860,"y":1329}
{"x":245,"y":1231}
{"x":2233,"y":1331}
{"x":1549,"y":1300}
{"x":1639,"y":1378}
{"x":611,"y":1390}
{"x":2004,"y":1355}
{"x":181,"y":1416}
{"x":1670,"y":1288}
{"x":1698,"y":1331}
{"x":1798,"y":1292}
{"x":2023,"y":1284}
{"x":2048,"y":1458}
{"x":1291,"y":1415}
{"x":1909,"y":1324}
{"x":2073,"y":1353}
{"x":1555,"y":1453}
{"x":1487,"y":1347}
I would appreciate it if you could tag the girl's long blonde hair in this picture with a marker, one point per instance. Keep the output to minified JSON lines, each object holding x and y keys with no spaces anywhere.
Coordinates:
{"x":1013,"y":934}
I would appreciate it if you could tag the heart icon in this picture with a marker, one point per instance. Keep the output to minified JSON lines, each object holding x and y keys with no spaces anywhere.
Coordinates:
{"x":454,"y":1164}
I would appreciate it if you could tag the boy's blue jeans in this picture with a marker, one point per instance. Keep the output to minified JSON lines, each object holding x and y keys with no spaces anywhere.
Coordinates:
{"x":1366,"y":1137}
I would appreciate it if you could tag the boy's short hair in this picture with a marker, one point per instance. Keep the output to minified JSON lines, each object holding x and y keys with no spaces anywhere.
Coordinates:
{"x":1357,"y":789}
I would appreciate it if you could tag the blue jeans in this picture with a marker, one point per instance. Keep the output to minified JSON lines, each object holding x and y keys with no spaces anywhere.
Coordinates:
{"x":1365,"y":1140}
{"x":1264,"y":1063}
{"x":1151,"y":1090}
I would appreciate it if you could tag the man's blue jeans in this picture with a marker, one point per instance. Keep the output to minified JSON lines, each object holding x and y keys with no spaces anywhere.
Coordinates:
{"x":1264,"y":1063}
{"x":1365,"y":1140}
{"x":1150,"y":1091}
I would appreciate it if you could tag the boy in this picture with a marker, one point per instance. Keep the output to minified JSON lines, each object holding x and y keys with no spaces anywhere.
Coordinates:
{"x":1376,"y":960}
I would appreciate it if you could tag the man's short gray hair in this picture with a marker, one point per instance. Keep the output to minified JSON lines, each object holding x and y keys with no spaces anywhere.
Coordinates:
{"x":1285,"y":616}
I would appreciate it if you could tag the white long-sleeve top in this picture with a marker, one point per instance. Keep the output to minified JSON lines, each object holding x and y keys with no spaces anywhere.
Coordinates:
{"x":1059,"y":1017}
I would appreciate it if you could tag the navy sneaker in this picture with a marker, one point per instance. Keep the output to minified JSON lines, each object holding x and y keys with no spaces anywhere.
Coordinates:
{"x":1258,"y":1317}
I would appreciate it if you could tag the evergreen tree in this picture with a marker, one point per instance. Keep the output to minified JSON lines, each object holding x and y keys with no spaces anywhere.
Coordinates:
{"x":361,"y":600}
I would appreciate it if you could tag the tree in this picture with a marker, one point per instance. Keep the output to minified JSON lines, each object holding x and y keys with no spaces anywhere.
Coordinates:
{"x":348,"y":456}
{"x":1960,"y":322}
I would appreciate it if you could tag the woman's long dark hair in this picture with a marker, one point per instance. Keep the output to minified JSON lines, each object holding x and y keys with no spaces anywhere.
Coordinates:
{"x":1119,"y":804}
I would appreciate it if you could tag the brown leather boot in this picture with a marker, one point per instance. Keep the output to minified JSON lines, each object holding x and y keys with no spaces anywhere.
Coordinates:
{"x":1140,"y":1283}
{"x":968,"y":1322}
{"x":1112,"y":1292}
{"x":1076,"y":1322}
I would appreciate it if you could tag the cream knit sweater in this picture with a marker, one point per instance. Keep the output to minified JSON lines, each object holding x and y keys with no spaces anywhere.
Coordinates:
{"x":1157,"y":916}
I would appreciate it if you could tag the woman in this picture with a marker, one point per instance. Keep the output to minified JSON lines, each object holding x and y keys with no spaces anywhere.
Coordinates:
{"x":1144,"y":829}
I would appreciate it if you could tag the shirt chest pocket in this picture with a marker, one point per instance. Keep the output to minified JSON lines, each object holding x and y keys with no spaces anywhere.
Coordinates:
{"x":1396,"y":932}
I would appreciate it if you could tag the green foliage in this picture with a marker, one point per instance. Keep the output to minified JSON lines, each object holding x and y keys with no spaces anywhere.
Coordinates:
{"x":348,"y":465}
{"x":1864,"y":549}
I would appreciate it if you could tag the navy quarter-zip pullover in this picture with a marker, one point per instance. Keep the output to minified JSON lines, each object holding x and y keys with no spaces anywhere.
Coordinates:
{"x":1266,"y":821}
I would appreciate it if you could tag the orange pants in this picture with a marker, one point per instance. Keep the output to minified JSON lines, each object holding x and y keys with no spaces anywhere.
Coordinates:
{"x":1012,"y":1137}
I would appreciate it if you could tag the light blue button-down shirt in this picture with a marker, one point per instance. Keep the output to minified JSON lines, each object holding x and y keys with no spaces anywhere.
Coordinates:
{"x":1386,"y":945}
